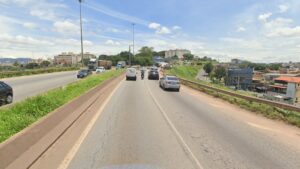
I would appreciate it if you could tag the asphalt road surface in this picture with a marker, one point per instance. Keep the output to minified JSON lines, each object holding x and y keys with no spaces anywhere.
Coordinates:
{"x":27,"y":86}
{"x":144,"y":127}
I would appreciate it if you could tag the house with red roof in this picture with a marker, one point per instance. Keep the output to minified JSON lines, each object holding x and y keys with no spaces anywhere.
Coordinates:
{"x":290,"y":86}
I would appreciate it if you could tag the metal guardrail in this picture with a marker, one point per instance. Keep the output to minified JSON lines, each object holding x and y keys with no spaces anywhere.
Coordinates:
{"x":249,"y":98}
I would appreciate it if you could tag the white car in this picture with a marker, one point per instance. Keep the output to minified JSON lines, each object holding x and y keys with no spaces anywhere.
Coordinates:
{"x":169,"y":82}
{"x":131,"y":74}
{"x":100,"y":69}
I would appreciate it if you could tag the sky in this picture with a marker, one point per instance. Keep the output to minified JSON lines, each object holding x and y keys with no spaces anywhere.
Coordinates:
{"x":254,"y":30}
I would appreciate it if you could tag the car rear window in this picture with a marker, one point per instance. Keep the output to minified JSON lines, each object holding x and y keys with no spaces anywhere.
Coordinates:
{"x":172,"y":78}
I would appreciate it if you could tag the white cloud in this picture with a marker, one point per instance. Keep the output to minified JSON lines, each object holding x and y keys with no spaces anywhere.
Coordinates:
{"x":159,"y":29}
{"x":112,"y":42}
{"x":264,"y":17}
{"x":113,"y":13}
{"x":73,"y":42}
{"x":240,"y":29}
{"x":29,"y":25}
{"x":176,"y":27}
{"x":66,"y":27}
{"x":44,"y":14}
{"x":278,"y":22}
{"x":283,"y":8}
{"x":163,"y":30}
{"x":285,"y":32}
{"x":154,"y":25}
{"x":242,"y":43}
{"x":23,"y":40}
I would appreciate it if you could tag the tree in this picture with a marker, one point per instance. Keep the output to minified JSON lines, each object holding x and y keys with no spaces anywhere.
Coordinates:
{"x":219,"y":72}
{"x":32,"y":65}
{"x":188,"y":56}
{"x":45,"y":63}
{"x":16,"y":63}
{"x":208,"y":67}
{"x":175,"y":57}
{"x":145,"y":52}
{"x":85,"y":61}
{"x":162,"y":54}
{"x":102,"y":57}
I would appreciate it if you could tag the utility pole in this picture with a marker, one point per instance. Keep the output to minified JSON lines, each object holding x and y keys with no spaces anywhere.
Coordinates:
{"x":81,"y":40}
{"x":129,"y":56}
{"x":133,"y":24}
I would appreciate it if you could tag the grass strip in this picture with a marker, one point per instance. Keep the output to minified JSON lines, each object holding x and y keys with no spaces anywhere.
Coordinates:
{"x":7,"y":74}
{"x":20,"y":115}
{"x":189,"y":73}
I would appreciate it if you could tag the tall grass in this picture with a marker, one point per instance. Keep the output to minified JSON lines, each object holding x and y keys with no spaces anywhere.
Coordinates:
{"x":20,"y":115}
{"x":6,"y":74}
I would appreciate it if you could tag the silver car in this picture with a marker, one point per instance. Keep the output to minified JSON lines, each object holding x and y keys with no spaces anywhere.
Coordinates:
{"x":131,"y":74}
{"x":169,"y":82}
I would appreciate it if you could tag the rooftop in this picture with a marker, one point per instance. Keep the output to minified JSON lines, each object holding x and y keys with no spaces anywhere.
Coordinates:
{"x":288,"y":79}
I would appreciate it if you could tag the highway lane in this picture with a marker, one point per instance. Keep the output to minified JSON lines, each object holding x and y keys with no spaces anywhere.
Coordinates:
{"x":145,"y":127}
{"x":27,"y":86}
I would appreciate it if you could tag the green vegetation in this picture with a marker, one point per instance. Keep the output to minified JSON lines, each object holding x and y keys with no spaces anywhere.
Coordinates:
{"x":144,"y":56}
{"x":20,"y":115}
{"x":6,"y":74}
{"x":260,"y":66}
{"x":190,"y":72}
{"x":186,"y":72}
{"x":208,"y":67}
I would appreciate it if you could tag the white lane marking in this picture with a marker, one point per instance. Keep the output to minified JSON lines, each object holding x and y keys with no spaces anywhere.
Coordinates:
{"x":185,"y":146}
{"x":65,"y":163}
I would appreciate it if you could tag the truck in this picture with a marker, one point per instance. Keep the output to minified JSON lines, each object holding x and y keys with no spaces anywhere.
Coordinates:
{"x":121,"y":64}
{"x":94,"y":63}
{"x":105,"y":63}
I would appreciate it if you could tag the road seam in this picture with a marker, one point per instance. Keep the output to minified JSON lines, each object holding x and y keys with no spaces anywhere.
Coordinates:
{"x":184,"y":145}
{"x":71,"y":154}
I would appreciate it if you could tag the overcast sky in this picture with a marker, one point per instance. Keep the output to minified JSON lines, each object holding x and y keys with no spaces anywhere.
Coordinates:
{"x":267,"y":31}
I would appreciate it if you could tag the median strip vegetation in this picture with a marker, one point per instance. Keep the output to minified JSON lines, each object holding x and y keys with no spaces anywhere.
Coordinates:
{"x":7,"y":74}
{"x":20,"y":115}
{"x":272,"y":112}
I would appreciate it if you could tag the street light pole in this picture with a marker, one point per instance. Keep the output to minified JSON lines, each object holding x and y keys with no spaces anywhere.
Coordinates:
{"x":133,"y":24}
{"x":129,"y":56}
{"x":81,"y":39}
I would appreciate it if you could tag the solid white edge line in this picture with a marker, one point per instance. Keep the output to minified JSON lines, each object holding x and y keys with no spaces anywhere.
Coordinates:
{"x":65,"y":163}
{"x":185,"y":146}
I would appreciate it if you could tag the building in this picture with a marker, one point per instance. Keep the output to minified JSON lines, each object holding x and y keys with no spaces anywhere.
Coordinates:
{"x":240,"y":78}
{"x":272,"y":76}
{"x":176,"y":52}
{"x":71,"y":58}
{"x":289,"y":86}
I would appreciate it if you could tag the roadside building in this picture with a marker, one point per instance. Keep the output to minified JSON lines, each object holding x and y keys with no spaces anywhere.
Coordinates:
{"x":272,"y":76}
{"x":71,"y":58}
{"x":239,"y":78}
{"x":288,"y":86}
{"x":176,"y":52}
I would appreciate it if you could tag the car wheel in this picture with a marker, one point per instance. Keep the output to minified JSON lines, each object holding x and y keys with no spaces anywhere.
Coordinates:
{"x":9,"y":99}
{"x":178,"y":90}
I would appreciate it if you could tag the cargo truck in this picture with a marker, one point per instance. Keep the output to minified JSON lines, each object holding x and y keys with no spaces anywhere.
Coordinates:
{"x":93,"y":64}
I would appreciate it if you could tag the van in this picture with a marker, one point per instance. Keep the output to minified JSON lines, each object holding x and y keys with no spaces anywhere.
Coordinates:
{"x":131,"y":74}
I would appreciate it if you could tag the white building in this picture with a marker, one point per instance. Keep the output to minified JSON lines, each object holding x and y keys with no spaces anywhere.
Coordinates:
{"x":177,"y":52}
{"x":71,"y":58}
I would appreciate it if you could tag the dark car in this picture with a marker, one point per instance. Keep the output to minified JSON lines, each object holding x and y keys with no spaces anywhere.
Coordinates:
{"x":83,"y":73}
{"x":153,"y":74}
{"x":6,"y":93}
